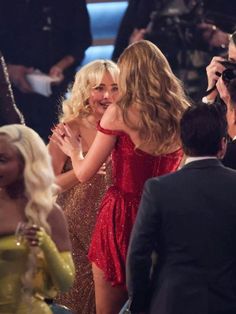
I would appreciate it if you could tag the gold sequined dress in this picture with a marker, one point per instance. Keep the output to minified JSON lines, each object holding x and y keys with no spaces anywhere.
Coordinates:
{"x":13,"y":266}
{"x":80,"y":205}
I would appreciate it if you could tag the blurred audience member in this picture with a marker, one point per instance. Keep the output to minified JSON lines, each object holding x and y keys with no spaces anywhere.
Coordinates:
{"x":50,"y":36}
{"x":9,"y":113}
{"x":188,"y":25}
{"x":133,"y":24}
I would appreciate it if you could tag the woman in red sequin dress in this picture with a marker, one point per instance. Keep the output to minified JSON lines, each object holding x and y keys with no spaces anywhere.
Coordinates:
{"x":142,"y":131}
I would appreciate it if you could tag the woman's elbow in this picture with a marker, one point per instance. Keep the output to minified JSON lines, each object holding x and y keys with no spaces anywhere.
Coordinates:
{"x":68,"y":283}
{"x":82,"y":176}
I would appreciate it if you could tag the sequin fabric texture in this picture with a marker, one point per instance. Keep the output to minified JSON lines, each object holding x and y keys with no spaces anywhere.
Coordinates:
{"x":130,"y":169}
{"x":80,"y":205}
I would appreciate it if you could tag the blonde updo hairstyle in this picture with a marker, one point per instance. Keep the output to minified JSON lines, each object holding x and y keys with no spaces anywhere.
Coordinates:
{"x":87,"y":78}
{"x":147,"y":83}
{"x":39,"y":187}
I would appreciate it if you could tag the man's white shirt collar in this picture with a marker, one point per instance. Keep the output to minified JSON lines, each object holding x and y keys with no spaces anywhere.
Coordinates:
{"x":191,"y":159}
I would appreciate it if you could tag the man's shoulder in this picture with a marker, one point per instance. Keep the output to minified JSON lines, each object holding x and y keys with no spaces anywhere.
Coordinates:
{"x":164,"y":179}
{"x":183,"y":174}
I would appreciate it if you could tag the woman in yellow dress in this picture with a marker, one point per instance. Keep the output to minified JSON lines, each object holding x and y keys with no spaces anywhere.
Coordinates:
{"x":94,"y":89}
{"x":35,"y":257}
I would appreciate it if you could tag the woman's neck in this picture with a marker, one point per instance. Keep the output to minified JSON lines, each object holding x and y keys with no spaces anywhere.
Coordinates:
{"x":13,"y":191}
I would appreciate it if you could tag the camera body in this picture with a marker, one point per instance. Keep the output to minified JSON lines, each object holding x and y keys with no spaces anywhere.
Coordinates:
{"x":230,"y":71}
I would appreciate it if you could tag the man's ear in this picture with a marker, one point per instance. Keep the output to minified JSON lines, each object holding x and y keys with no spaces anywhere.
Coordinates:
{"x":223,"y":147}
{"x":233,"y":121}
{"x":234,"y":110}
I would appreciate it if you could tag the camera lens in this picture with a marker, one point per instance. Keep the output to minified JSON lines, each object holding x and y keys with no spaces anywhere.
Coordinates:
{"x":228,"y":75}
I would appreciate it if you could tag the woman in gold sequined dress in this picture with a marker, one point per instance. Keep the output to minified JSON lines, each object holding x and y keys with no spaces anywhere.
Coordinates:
{"x":95,"y":87}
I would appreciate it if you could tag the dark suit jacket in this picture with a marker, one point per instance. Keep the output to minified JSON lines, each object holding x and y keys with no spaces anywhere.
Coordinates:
{"x":230,"y":156}
{"x":137,"y":15}
{"x":189,"y":219}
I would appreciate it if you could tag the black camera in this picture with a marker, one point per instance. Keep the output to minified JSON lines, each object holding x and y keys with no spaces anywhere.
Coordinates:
{"x":230,"y":71}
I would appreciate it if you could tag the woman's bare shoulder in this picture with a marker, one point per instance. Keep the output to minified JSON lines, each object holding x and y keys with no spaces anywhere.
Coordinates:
{"x":112,"y":118}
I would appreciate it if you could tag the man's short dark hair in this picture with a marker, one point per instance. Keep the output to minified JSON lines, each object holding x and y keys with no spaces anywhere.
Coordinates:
{"x":202,"y":128}
{"x":231,"y":86}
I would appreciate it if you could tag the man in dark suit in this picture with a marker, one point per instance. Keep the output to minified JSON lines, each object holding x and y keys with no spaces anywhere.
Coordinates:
{"x":189,"y":219}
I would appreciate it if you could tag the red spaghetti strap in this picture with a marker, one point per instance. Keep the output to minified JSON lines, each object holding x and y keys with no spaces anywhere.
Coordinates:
{"x":108,"y":132}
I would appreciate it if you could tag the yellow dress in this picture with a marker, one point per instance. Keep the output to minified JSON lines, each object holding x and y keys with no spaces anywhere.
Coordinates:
{"x":13,"y":265}
{"x":80,"y":205}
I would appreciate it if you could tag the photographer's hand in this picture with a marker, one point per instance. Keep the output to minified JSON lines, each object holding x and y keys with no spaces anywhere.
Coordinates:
{"x":214,"y":71}
{"x":223,"y":91}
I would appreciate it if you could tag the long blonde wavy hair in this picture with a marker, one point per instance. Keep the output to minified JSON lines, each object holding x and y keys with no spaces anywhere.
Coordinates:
{"x":39,"y":187}
{"x":87,"y":78}
{"x":147,"y":83}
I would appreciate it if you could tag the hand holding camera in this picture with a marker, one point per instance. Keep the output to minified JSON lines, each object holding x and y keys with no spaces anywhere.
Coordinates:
{"x":219,"y":67}
{"x":223,"y":91}
{"x":214,"y":70}
{"x":229,"y":72}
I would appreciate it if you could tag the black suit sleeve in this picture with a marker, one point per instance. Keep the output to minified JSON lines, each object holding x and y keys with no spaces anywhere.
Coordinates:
{"x":78,"y":32}
{"x":126,"y":28}
{"x":143,"y":239}
{"x":79,"y":36}
{"x":137,"y":15}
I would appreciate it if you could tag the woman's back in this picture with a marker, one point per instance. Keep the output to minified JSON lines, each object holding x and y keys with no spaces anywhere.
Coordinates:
{"x":131,"y":168}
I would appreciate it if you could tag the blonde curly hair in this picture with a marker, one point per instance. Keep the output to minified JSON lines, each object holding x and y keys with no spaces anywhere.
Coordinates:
{"x":147,"y":83}
{"x":88,"y":77}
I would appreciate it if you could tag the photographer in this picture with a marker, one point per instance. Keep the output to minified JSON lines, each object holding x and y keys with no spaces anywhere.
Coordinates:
{"x":215,"y":69}
{"x":226,"y":87}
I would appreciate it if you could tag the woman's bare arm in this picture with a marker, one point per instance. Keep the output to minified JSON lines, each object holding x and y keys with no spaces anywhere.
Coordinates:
{"x":87,"y":167}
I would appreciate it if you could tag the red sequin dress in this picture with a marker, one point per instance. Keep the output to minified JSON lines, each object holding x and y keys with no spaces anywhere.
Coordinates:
{"x":130,"y":169}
